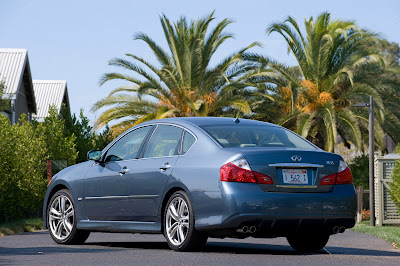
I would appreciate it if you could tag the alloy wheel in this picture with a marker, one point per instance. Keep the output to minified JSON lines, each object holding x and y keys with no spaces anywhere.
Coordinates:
{"x":61,"y":217}
{"x":177,"y":221}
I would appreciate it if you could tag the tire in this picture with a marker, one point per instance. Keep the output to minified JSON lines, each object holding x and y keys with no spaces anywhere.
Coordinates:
{"x":61,"y":219}
{"x":178,"y":224}
{"x":308,"y":242}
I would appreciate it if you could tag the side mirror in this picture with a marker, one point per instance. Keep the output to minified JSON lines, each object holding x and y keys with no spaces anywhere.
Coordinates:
{"x":94,"y":155}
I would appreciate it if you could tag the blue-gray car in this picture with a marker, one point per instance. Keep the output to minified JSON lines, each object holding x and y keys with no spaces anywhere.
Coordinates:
{"x":191,"y":178}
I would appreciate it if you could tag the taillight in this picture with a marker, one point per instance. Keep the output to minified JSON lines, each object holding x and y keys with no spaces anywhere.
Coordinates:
{"x":344,"y":176}
{"x":329,"y":180}
{"x":240,"y":171}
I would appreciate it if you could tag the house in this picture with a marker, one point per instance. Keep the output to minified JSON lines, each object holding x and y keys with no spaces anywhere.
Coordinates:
{"x":49,"y":93}
{"x":16,"y":74}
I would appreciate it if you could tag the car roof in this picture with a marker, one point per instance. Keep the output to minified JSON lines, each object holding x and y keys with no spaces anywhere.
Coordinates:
{"x":203,"y":121}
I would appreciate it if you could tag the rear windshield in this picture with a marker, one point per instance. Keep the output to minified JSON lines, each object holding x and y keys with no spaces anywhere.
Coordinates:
{"x":256,"y":136}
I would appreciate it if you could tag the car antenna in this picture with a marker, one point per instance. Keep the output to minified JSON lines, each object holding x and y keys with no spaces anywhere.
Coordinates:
{"x":237,"y":121}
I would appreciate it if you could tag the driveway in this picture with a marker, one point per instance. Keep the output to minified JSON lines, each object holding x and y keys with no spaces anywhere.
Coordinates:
{"x":349,"y":248}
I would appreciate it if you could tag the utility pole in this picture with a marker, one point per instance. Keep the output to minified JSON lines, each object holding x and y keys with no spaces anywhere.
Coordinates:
{"x":371,"y":162}
{"x":371,"y":157}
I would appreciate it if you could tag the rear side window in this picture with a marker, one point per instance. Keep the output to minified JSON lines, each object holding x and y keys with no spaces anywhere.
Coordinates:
{"x":256,"y":136}
{"x":188,"y":141}
{"x":164,"y":142}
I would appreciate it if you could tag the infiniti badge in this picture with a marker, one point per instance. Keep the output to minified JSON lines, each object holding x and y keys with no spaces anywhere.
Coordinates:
{"x":296,"y":158}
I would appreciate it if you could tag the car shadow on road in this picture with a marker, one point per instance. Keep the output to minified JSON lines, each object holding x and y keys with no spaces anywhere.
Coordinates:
{"x":248,"y":248}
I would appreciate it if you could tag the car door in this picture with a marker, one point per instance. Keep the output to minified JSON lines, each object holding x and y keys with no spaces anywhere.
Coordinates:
{"x":105,"y":186}
{"x":147,"y":179}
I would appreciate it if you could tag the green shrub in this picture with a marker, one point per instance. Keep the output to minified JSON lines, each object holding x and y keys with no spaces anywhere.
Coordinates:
{"x":395,"y":184}
{"x":58,"y":146}
{"x":22,"y":154}
{"x":360,"y":171}
{"x":24,"y":149}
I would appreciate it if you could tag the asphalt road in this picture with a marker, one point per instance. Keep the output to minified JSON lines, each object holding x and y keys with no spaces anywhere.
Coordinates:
{"x":349,"y":248}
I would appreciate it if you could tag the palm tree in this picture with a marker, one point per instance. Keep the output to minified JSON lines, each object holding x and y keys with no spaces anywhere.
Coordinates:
{"x":183,"y":83}
{"x":336,"y":67}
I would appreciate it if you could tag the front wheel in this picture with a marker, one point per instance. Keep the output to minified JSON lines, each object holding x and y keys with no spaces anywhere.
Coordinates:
{"x":179,"y":224}
{"x":308,"y":242}
{"x":62,"y":220}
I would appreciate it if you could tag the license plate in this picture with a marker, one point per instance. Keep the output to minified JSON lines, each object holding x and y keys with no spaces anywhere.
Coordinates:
{"x":294,"y":176}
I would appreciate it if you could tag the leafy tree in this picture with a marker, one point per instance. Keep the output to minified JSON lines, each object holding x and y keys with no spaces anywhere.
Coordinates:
{"x":104,"y":138}
{"x":4,"y":103}
{"x":58,"y":146}
{"x":183,"y":83}
{"x":390,"y":50}
{"x":81,"y":130}
{"x":22,"y":154}
{"x":336,"y":67}
{"x":395,"y":184}
{"x":360,"y":169}
{"x":85,"y":137}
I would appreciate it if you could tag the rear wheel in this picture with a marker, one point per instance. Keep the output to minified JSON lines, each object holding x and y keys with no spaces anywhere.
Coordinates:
{"x":308,"y":242}
{"x":62,"y":220}
{"x":179,"y":224}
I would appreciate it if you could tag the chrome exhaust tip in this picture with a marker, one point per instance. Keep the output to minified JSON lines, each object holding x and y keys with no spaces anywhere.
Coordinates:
{"x":336,"y":229}
{"x":342,"y":229}
{"x":252,"y":229}
{"x":244,"y":230}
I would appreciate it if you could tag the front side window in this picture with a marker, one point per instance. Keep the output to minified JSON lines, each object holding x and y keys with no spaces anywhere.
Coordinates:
{"x":256,"y":136}
{"x":127,"y":148}
{"x":164,"y":142}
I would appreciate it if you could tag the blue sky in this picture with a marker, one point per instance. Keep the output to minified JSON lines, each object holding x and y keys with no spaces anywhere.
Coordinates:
{"x":73,"y":40}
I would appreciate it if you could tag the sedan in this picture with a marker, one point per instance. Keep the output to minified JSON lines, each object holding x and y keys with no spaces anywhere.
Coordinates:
{"x":191,"y":178}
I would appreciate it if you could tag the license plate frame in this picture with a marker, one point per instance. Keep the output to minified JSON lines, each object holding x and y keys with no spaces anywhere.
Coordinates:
{"x":295,"y":176}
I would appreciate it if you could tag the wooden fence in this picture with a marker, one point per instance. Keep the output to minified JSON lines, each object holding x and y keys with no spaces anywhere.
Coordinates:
{"x":386,"y":212}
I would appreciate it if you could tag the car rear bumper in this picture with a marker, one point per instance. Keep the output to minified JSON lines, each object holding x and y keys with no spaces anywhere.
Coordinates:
{"x":277,"y":212}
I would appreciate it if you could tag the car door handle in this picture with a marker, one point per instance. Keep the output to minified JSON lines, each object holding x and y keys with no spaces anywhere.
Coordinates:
{"x":124,"y":171}
{"x":165,"y":166}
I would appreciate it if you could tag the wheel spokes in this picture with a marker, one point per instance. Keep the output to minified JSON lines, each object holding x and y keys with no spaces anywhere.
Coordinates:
{"x":54,"y":214}
{"x":69,"y":212}
{"x":180,"y":233}
{"x":67,"y":226}
{"x":177,"y":221}
{"x":61,"y":217}
{"x":173,"y":228}
{"x":171,"y":213}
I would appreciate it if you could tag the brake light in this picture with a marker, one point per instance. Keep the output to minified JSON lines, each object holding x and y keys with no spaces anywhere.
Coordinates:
{"x":344,"y":176}
{"x":240,"y":171}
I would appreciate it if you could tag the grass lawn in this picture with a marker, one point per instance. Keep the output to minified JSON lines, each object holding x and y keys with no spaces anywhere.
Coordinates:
{"x":24,"y":225}
{"x":390,"y":233}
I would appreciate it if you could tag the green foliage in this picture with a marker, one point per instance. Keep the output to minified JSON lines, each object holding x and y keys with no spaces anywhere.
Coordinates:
{"x":338,"y":65}
{"x":85,"y":138}
{"x":58,"y":146}
{"x":391,"y":52}
{"x":24,"y":149}
{"x":4,"y":103}
{"x":395,"y":184}
{"x":183,"y":83}
{"x":104,"y":138}
{"x":22,"y":155}
{"x":81,"y":130}
{"x":360,"y":171}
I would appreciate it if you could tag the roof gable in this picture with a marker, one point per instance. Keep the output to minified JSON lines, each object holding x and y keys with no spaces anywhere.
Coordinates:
{"x":14,"y":71}
{"x":49,"y":92}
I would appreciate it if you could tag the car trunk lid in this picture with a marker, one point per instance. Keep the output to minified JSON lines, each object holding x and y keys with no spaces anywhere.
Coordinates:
{"x":292,"y":170}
